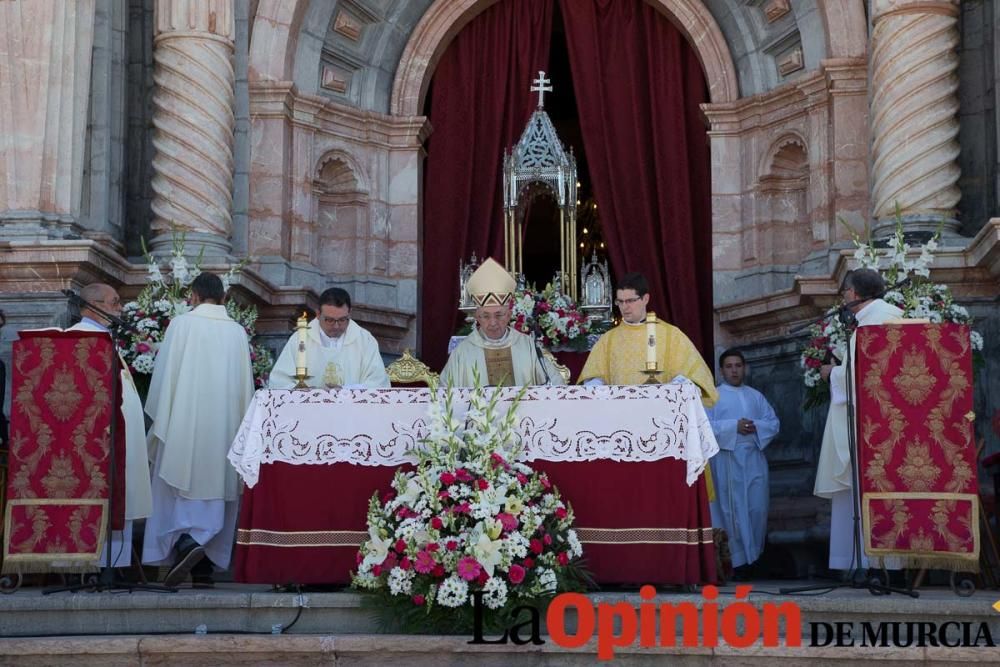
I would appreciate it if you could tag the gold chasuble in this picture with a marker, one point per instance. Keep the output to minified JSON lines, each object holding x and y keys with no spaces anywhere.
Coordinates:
{"x":499,"y":367}
{"x":620,"y":355}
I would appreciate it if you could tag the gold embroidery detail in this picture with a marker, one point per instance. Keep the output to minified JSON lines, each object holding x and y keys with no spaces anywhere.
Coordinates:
{"x":918,"y":470}
{"x":915,"y":380}
{"x":60,"y":482}
{"x":63,"y":396}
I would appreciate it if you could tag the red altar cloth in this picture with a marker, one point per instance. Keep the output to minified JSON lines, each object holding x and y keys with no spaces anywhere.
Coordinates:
{"x":917,"y":453}
{"x":63,"y":387}
{"x":304,"y":523}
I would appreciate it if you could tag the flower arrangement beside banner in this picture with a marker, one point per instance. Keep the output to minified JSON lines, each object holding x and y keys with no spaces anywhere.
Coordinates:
{"x":469,"y":519}
{"x":561,"y":324}
{"x":910,"y":290}
{"x":165,"y":297}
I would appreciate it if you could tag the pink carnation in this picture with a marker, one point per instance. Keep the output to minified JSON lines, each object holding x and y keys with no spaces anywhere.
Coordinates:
{"x":468,"y":568}
{"x":508,"y":521}
{"x":418,"y":600}
{"x":515,"y":574}
{"x":447,"y":478}
{"x":142,"y":348}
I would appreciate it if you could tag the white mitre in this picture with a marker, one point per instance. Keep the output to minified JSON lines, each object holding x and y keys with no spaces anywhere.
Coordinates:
{"x":491,"y":285}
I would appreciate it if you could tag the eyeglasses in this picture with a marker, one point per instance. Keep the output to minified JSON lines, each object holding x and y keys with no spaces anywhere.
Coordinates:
{"x":627,"y":302}
{"x":337,"y":320}
{"x":495,"y":317}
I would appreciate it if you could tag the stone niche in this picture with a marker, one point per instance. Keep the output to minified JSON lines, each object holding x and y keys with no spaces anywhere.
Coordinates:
{"x":342,"y":211}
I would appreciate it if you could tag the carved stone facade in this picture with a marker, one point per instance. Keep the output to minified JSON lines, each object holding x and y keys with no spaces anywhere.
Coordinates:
{"x":294,"y":134}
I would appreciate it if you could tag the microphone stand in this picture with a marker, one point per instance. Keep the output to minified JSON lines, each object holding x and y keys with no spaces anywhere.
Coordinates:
{"x":107,"y":579}
{"x":538,"y":353}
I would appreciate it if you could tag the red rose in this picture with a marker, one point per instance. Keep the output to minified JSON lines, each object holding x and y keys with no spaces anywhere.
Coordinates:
{"x":561,"y":512}
{"x":437,"y":523}
{"x":433,"y":546}
{"x":418,"y":600}
{"x":813,"y":362}
{"x":563,"y":558}
{"x":438,"y":571}
{"x":536,"y":546}
{"x":405,"y":563}
{"x":482,"y":484}
{"x":400,"y":545}
{"x":528,"y":563}
{"x":447,"y":478}
{"x":547,"y":539}
{"x":515,"y":574}
{"x":451,"y":545}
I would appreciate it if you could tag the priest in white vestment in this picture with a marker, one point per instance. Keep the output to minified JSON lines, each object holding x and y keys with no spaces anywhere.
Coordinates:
{"x":338,"y":351}
{"x":138,"y":497}
{"x":744,"y":424}
{"x":496,"y":352}
{"x":862,"y":292}
{"x":201,"y":387}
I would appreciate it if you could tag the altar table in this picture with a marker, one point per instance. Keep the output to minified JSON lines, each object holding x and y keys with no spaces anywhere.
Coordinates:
{"x":628,"y":459}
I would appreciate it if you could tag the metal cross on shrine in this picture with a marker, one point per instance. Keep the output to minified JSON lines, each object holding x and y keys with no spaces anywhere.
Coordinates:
{"x":541,"y":87}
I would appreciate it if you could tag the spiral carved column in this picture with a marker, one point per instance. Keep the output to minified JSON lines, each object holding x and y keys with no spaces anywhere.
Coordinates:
{"x":914,"y":114}
{"x":193,"y":122}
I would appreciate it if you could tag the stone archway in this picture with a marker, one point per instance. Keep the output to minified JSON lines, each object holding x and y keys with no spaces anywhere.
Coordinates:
{"x":445,"y":18}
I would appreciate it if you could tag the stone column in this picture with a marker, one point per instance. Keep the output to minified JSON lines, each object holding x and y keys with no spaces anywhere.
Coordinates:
{"x":45,"y":61}
{"x":193,"y":123}
{"x":914,"y":112}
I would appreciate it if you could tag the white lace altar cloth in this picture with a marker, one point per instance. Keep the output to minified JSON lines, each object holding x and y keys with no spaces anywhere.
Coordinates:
{"x":379,"y":427}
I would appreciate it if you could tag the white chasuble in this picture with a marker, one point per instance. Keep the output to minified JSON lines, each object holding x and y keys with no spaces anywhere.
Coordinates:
{"x":352,"y":361}
{"x":478,"y":355}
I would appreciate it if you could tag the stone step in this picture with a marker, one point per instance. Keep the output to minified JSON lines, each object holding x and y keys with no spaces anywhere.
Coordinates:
{"x":435,"y":651}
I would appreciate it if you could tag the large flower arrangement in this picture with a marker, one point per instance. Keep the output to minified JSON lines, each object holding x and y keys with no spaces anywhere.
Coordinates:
{"x":468,"y":519}
{"x":910,"y":290}
{"x":559,"y":321}
{"x":167,"y":296}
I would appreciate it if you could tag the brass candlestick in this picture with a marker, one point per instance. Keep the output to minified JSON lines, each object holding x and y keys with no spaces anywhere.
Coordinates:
{"x":302,"y":374}
{"x":651,"y":372}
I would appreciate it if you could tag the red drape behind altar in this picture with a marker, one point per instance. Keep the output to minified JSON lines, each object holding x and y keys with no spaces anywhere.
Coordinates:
{"x":639,"y":85}
{"x":480,"y":103}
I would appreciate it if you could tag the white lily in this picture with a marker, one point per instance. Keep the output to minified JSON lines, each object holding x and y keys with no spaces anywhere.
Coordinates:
{"x":487,"y":552}
{"x":378,"y":548}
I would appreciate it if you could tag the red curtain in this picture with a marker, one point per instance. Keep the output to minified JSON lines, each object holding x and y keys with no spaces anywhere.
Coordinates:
{"x":480,"y":103}
{"x":638,"y":85}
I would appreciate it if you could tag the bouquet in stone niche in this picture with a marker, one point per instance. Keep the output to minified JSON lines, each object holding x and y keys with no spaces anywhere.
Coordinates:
{"x":468,"y":520}
{"x":902,"y":265}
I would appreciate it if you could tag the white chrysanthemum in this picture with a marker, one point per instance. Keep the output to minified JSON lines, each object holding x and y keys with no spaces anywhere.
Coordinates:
{"x":495,"y":593}
{"x":144,"y":363}
{"x":452,"y":592}
{"x":977,"y":340}
{"x":401,"y":581}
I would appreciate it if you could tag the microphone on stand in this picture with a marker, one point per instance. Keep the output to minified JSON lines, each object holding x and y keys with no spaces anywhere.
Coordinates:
{"x":535,"y":331}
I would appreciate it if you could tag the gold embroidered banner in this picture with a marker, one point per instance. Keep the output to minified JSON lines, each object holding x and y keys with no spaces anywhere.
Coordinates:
{"x":57,"y":491}
{"x":917,"y":455}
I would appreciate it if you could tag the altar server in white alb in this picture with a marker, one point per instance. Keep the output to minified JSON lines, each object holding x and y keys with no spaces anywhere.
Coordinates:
{"x":201,"y":387}
{"x":862,"y":292}
{"x":495,"y":351}
{"x":138,"y":497}
{"x":338,"y":351}
{"x":744,"y":424}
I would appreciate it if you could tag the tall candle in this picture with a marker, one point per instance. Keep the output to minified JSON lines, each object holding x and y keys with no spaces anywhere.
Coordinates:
{"x":651,"y":340}
{"x":300,"y":355}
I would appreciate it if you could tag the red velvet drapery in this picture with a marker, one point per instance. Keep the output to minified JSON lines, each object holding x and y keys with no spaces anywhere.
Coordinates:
{"x":638,"y":85}
{"x":480,"y":103}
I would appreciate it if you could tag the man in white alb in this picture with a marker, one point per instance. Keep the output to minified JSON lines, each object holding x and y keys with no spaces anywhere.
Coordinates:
{"x":744,"y":424}
{"x":138,"y":497}
{"x":339,"y":352}
{"x":862,"y":292}
{"x":201,"y":387}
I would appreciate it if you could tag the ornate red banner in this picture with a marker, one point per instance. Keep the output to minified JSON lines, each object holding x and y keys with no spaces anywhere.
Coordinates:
{"x":917,"y":455}
{"x":63,"y":388}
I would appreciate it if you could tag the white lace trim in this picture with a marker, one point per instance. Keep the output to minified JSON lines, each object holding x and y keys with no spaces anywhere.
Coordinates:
{"x":379,"y":427}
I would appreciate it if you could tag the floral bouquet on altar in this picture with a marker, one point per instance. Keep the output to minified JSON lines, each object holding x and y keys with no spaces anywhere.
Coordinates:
{"x":562,"y":325}
{"x":468,"y":521}
{"x":165,"y":297}
{"x":915,"y":295}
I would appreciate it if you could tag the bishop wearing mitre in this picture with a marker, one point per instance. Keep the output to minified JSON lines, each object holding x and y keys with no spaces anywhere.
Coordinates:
{"x":496,"y":352}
